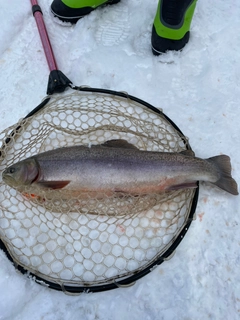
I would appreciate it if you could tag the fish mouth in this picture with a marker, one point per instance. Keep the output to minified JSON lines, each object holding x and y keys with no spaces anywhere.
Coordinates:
{"x":8,"y":179}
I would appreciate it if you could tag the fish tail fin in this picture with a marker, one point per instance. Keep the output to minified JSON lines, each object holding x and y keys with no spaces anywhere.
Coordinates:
{"x":224,"y":168}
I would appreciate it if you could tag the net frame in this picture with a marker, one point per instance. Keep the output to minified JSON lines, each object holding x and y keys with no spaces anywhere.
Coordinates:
{"x":125,"y":281}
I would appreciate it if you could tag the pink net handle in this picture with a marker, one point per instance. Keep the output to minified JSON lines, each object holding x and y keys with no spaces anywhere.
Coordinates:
{"x":44,"y":36}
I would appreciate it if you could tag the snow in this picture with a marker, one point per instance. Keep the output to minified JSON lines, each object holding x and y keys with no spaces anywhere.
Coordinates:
{"x":198,"y":88}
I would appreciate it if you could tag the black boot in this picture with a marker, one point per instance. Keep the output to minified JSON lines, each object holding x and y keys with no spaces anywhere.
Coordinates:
{"x":73,"y":10}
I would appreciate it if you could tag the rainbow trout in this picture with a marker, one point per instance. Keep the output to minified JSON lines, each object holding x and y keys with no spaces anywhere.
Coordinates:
{"x":116,"y":168}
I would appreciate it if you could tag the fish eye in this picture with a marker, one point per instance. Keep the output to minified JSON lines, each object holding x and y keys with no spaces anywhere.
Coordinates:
{"x":12,"y":170}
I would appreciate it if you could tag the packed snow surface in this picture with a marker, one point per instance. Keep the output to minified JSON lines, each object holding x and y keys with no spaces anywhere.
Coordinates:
{"x":198,"y":88}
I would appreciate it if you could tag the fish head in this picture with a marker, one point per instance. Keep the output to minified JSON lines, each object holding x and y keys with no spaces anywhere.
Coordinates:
{"x":21,"y":173}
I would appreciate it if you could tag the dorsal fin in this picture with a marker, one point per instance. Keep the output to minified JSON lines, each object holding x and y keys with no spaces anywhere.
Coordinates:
{"x":119,"y":143}
{"x":188,"y":152}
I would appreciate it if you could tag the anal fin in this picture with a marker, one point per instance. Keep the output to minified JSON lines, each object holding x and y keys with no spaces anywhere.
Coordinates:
{"x":187,"y":185}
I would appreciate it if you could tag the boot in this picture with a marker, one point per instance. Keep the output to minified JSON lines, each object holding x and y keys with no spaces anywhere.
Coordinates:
{"x":171,"y":25}
{"x":73,"y":10}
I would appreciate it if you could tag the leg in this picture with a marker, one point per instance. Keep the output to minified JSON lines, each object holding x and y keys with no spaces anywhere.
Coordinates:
{"x":73,"y":10}
{"x":172,"y":24}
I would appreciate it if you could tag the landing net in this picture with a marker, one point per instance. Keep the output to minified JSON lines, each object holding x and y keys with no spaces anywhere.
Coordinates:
{"x":95,"y":244}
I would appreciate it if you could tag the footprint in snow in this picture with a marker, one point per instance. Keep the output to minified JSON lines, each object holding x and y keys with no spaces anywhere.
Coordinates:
{"x":115,"y":28}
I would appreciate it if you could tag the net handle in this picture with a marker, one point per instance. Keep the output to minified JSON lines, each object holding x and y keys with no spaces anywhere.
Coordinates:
{"x":57,"y":81}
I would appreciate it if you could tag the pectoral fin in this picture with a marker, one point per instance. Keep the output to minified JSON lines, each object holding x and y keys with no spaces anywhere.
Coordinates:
{"x":53,"y":184}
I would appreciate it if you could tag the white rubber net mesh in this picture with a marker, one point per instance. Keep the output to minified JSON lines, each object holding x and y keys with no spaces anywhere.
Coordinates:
{"x":99,"y":241}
